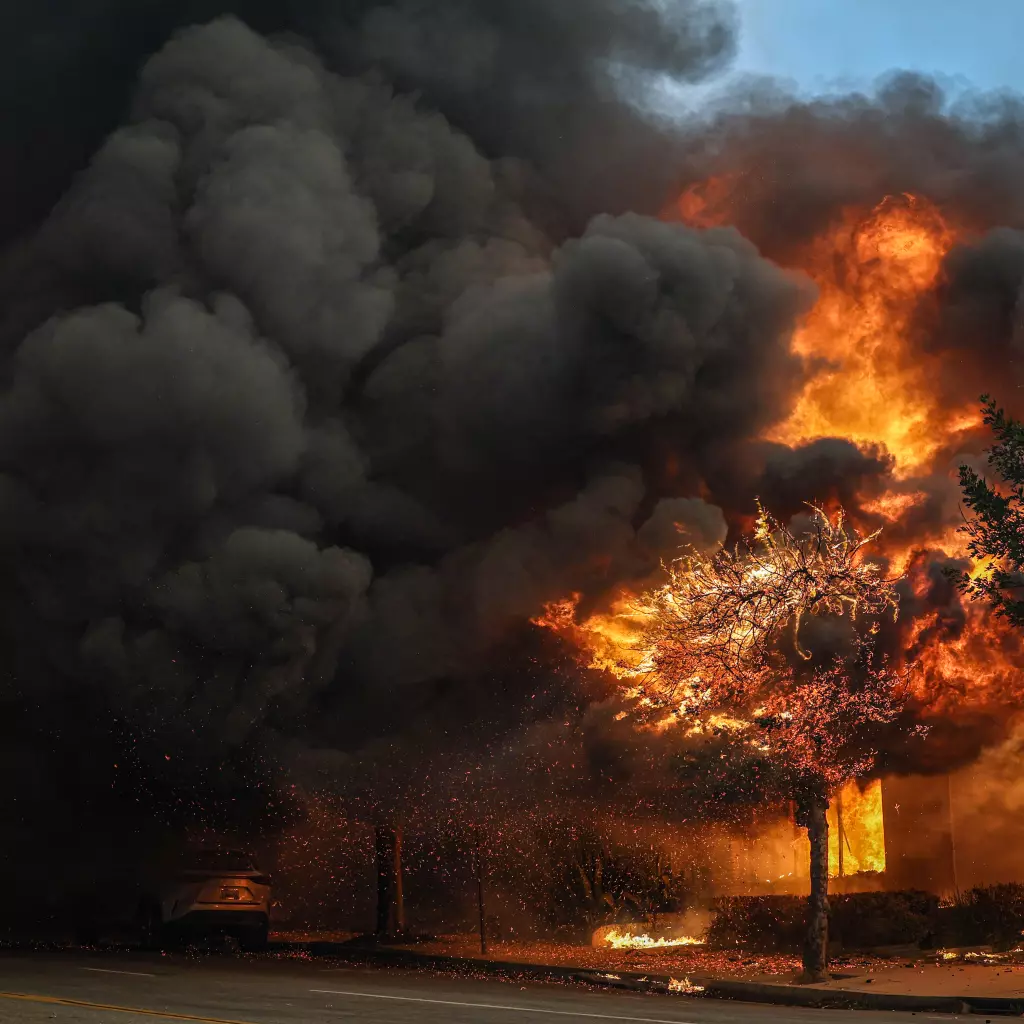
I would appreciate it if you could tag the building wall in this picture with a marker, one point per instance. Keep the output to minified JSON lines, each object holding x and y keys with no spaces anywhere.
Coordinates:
{"x":918,"y":834}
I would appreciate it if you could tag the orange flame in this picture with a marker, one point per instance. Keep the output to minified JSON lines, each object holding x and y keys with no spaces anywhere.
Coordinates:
{"x":871,"y":381}
{"x":871,"y":384}
{"x":616,"y":939}
{"x":855,"y":821}
{"x":871,"y":273}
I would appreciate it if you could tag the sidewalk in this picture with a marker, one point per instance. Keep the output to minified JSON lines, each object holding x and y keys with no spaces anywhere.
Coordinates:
{"x":949,"y":983}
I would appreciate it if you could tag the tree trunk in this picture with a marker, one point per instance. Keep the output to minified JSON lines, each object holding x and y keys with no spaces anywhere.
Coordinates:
{"x":816,"y":946}
{"x":390,"y":903}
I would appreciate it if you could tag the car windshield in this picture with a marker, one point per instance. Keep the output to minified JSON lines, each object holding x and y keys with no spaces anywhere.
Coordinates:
{"x":218,"y":860}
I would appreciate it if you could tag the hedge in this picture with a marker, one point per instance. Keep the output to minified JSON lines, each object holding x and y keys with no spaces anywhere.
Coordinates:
{"x":992,"y":914}
{"x":856,"y":920}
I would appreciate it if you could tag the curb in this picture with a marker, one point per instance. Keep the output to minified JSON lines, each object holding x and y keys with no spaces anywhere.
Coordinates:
{"x":713,"y":988}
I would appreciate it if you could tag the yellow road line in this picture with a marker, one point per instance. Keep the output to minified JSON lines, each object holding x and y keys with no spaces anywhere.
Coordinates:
{"x":27,"y":997}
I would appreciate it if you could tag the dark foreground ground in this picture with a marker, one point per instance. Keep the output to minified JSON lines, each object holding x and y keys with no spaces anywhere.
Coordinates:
{"x":138,"y":989}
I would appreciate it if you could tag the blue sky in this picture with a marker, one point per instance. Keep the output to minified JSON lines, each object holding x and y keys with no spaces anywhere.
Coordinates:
{"x":826,"y":44}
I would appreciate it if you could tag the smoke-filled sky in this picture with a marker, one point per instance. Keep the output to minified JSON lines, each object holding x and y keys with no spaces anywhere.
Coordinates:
{"x":337,"y":338}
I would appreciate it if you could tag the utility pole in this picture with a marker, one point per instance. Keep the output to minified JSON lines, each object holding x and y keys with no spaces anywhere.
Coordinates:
{"x":390,"y":901}
{"x":478,"y":860}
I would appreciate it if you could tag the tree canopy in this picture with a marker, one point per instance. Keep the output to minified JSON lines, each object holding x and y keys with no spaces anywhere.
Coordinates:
{"x":995,"y":527}
{"x":726,"y":656}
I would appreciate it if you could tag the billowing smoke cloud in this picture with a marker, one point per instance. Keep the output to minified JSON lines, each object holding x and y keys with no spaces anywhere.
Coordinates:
{"x":316,"y":389}
{"x":977,"y":323}
{"x":791,"y":170}
{"x":828,"y":471}
{"x":337,"y":340}
{"x":526,"y":80}
{"x":798,"y":165}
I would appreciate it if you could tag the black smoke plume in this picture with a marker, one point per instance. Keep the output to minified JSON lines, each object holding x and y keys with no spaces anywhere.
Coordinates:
{"x":337,"y":339}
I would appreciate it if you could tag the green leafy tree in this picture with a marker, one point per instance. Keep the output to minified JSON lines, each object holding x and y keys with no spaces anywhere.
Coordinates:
{"x":995,"y":527}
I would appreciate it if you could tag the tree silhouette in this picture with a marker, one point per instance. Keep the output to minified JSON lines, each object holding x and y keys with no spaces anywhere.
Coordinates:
{"x":996,"y":526}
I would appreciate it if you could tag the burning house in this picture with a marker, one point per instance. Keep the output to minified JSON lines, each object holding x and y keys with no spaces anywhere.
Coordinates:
{"x":363,"y":364}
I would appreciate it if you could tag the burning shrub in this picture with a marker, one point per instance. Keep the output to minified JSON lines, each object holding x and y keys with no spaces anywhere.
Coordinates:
{"x":990,"y":914}
{"x":864,"y":919}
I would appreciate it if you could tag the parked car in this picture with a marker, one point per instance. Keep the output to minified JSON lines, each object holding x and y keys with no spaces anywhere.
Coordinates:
{"x":207,"y":893}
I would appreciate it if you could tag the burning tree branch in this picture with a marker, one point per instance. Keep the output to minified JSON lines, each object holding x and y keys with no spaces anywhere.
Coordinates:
{"x":716,"y":660}
{"x":725,"y":607}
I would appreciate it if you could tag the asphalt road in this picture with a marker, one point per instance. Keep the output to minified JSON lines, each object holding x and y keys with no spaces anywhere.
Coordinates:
{"x":139,"y":989}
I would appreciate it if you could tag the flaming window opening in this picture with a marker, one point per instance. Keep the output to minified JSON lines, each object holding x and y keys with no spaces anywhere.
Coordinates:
{"x":856,"y":838}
